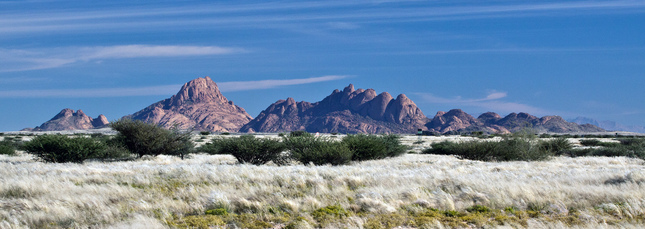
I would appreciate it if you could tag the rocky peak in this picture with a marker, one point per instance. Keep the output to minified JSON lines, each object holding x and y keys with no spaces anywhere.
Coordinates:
{"x":198,"y":105}
{"x":64,"y":113}
{"x":349,"y":89}
{"x":489,"y":117}
{"x":100,"y":121}
{"x":200,"y":90}
{"x":67,"y":119}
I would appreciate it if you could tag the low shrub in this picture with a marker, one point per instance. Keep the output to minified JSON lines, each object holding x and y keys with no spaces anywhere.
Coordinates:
{"x":7,"y":148}
{"x":205,"y":132}
{"x":596,"y":142}
{"x":249,"y":149}
{"x":143,"y":138}
{"x":555,"y":146}
{"x":317,"y":150}
{"x":508,"y":149}
{"x":370,"y":147}
{"x":61,"y":149}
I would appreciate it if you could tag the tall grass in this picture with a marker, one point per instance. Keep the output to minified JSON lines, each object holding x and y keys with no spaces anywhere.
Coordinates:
{"x":409,"y":191}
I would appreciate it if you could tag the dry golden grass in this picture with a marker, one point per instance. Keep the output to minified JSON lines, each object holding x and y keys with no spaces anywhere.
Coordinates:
{"x":411,"y":191}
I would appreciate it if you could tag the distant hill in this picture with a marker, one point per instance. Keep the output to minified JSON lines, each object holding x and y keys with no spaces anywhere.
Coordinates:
{"x":609,"y":125}
{"x":67,"y":119}
{"x":457,"y":120}
{"x":198,"y":105}
{"x":346,"y":111}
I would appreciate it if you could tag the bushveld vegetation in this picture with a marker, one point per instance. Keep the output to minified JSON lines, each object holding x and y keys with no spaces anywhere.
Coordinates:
{"x":522,"y":146}
{"x":409,"y":190}
{"x":627,"y":147}
{"x":307,"y":148}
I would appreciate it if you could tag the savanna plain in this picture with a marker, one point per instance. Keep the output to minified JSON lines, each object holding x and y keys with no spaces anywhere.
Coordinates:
{"x":414,"y":190}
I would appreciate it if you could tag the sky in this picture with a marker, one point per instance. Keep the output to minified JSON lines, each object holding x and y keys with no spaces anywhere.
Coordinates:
{"x":566,"y":58}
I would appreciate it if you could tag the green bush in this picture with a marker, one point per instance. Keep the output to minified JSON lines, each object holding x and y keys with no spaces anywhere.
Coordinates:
{"x":300,"y":133}
{"x":143,"y":138}
{"x":317,"y":150}
{"x":370,"y":147}
{"x":514,"y":148}
{"x":205,"y":132}
{"x":248,"y":149}
{"x":61,"y":149}
{"x":7,"y":148}
{"x":555,"y":146}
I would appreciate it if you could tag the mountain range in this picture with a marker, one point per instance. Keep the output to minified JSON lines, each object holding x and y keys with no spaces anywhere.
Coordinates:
{"x":199,"y":105}
{"x":609,"y":125}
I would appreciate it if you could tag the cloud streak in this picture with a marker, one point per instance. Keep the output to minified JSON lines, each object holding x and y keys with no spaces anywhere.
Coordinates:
{"x":13,"y":60}
{"x":159,"y":90}
{"x":489,"y":103}
{"x":233,"y":14}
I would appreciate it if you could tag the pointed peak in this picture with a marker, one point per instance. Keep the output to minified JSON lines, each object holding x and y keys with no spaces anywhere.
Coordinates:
{"x":349,"y":88}
{"x":79,"y":112}
{"x":291,"y":101}
{"x":64,"y":113}
{"x":440,"y":113}
{"x":200,"y":90}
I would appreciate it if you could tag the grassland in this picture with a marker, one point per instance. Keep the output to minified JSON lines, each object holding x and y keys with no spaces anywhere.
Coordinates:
{"x":411,"y":191}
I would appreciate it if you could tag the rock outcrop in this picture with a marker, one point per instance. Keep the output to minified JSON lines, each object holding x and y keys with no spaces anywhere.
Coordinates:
{"x":458,"y":121}
{"x":67,"y":119}
{"x":199,"y":105}
{"x":346,"y":111}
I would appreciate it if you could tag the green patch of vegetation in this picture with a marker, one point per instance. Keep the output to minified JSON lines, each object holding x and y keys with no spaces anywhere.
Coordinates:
{"x":61,"y":149}
{"x":329,"y":214}
{"x":217,"y":211}
{"x":628,"y":147}
{"x":248,"y":149}
{"x":370,"y":147}
{"x":516,"y":147}
{"x":205,"y":133}
{"x":143,"y":138}
{"x":7,"y":148}
{"x":306,"y":148}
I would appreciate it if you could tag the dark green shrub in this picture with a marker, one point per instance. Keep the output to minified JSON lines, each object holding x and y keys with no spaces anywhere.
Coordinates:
{"x":61,"y":149}
{"x":609,"y":151}
{"x":7,"y":148}
{"x":515,"y":148}
{"x":299,"y":133}
{"x":366,"y":147}
{"x":370,"y":147}
{"x":555,"y":146}
{"x":632,"y":141}
{"x":590,"y":142}
{"x":317,"y":150}
{"x":205,"y":132}
{"x":143,"y":138}
{"x":249,"y":149}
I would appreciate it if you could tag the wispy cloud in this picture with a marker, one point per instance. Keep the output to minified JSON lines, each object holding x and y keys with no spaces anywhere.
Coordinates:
{"x":266,"y":84}
{"x":159,"y":90}
{"x":492,"y":102}
{"x":350,"y":12}
{"x":22,"y":60}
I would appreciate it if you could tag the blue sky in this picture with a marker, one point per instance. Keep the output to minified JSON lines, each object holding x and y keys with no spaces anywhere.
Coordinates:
{"x":567,"y":58}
